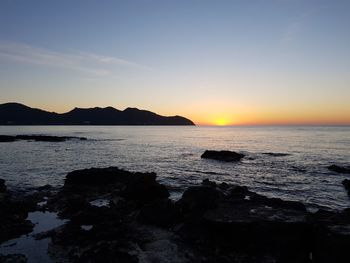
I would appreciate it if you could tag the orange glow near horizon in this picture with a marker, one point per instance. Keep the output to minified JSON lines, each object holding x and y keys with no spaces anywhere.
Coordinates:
{"x":224,"y":113}
{"x":266,"y":118}
{"x":222,"y":122}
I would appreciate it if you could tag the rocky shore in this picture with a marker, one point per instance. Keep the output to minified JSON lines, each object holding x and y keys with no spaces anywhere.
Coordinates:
{"x":118,"y":216}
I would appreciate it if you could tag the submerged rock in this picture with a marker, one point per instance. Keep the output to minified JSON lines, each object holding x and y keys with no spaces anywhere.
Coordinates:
{"x":38,"y":138}
{"x":226,"y":156}
{"x":339,"y":169}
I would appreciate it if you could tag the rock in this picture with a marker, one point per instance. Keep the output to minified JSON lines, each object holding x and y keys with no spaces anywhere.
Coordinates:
{"x":331,"y":236}
{"x":133,"y":186}
{"x":2,"y":186}
{"x":346,"y":184}
{"x":207,"y":182}
{"x":161,"y":212}
{"x":339,"y":169}
{"x":229,"y":222}
{"x":226,"y":156}
{"x":197,"y":199}
{"x":13,"y":213}
{"x":145,"y":190}
{"x":212,"y":222}
{"x":276,"y":154}
{"x":38,"y":138}
{"x":6,"y":138}
{"x":13,"y":258}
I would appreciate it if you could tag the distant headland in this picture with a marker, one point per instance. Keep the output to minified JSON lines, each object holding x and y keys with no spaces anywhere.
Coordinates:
{"x":19,"y":114}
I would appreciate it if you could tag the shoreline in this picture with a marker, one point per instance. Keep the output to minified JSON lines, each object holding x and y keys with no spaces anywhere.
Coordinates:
{"x":112,"y":213}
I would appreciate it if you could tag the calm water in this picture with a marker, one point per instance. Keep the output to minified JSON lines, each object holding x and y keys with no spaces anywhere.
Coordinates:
{"x":174,"y":153}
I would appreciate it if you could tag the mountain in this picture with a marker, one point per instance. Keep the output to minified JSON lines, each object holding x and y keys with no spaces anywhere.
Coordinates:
{"x":19,"y":114}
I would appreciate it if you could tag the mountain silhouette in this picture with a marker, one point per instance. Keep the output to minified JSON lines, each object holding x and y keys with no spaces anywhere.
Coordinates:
{"x":19,"y":114}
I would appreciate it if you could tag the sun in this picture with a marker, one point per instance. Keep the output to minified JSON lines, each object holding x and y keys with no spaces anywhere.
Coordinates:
{"x":222,"y":122}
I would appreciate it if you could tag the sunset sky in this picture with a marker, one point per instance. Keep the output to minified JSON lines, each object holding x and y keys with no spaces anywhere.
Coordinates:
{"x":215,"y":62}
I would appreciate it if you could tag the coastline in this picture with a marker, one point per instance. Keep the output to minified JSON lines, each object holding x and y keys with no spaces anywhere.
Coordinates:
{"x":111,"y":213}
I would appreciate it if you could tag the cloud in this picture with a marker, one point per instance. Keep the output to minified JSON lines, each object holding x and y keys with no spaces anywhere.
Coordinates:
{"x":89,"y":63}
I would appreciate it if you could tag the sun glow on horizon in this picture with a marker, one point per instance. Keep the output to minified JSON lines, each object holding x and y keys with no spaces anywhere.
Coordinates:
{"x":222,"y":122}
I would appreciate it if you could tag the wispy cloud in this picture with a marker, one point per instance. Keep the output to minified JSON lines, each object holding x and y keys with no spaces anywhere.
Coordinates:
{"x":89,"y":63}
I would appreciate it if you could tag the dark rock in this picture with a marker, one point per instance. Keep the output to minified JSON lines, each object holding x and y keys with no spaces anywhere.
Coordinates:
{"x":46,"y":138}
{"x":13,"y":214}
{"x":346,"y":184}
{"x":145,"y":190}
{"x":225,"y":221}
{"x":133,"y":186}
{"x":226,"y":156}
{"x":276,"y":154}
{"x":6,"y":138}
{"x":38,"y":138}
{"x":211,"y":223}
{"x":331,"y":236}
{"x":161,"y":212}
{"x":2,"y":186}
{"x":197,"y":199}
{"x":339,"y":169}
{"x":13,"y":258}
{"x":207,"y":182}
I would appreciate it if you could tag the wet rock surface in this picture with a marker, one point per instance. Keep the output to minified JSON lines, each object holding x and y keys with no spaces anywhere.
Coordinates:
{"x":38,"y":138}
{"x":13,"y":214}
{"x":225,"y":156}
{"x":339,"y":169}
{"x":119,"y":216}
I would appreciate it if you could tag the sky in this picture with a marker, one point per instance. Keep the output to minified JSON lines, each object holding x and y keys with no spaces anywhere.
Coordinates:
{"x":216,"y":62}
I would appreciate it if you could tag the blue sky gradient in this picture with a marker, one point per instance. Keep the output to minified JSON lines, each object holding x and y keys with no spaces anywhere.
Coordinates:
{"x":244,"y":62}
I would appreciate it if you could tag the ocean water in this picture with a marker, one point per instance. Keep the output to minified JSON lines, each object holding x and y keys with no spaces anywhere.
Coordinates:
{"x":174,"y":154}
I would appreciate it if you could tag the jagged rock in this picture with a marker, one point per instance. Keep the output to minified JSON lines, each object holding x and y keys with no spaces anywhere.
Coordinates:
{"x":339,"y":169}
{"x":231,"y":220}
{"x":134,"y":186}
{"x":137,"y":222}
{"x":226,"y":156}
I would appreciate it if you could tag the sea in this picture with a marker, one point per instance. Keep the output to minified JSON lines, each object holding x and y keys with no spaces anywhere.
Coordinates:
{"x":287,"y":162}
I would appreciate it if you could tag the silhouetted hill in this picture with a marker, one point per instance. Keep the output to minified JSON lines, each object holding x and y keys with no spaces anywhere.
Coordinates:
{"x":19,"y":114}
